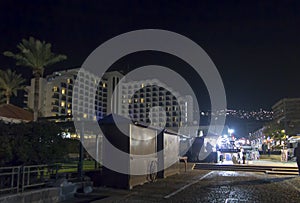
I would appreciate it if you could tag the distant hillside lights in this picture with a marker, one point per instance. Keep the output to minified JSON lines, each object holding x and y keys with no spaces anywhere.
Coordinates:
{"x":261,"y":115}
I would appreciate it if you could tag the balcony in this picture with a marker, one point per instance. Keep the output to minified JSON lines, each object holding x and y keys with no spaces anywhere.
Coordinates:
{"x":55,"y":109}
{"x":55,"y":96}
{"x":55,"y":103}
{"x":63,"y":84}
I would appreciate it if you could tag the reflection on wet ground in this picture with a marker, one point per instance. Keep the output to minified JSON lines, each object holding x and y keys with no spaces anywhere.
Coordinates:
{"x":225,"y":186}
{"x":215,"y":186}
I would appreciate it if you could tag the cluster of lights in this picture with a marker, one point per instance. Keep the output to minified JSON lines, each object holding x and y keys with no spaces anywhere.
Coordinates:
{"x":242,"y":114}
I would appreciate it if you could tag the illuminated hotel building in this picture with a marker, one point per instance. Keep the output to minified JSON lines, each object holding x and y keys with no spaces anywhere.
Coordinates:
{"x":148,"y":101}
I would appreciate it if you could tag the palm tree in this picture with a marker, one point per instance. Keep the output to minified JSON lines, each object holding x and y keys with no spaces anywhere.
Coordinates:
{"x":36,"y":55}
{"x":2,"y":98}
{"x":10,"y":83}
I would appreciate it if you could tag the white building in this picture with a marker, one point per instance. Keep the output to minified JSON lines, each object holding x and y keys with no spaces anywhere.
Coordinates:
{"x":148,"y":101}
{"x":151,"y":101}
{"x":56,"y":94}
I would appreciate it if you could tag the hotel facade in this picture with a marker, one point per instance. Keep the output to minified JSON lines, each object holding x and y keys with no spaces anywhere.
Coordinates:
{"x":148,"y":101}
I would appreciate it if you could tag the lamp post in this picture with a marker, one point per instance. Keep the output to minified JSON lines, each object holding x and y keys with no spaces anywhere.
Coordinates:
{"x":230,"y":131}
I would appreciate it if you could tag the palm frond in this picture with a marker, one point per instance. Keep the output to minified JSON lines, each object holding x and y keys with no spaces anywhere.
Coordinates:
{"x":2,"y":98}
{"x":10,"y":82}
{"x":35,"y":54}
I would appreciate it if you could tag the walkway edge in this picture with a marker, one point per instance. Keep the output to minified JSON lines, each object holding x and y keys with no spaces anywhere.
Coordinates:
{"x":186,"y":186}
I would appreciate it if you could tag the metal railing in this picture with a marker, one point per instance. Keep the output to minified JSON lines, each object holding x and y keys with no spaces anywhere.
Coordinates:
{"x":18,"y":178}
{"x":9,"y":179}
{"x":37,"y":175}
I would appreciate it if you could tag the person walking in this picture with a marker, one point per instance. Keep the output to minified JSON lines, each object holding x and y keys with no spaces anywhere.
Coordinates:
{"x":297,"y":155}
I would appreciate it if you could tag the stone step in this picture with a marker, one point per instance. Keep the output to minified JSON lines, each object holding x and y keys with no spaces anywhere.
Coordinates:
{"x":285,"y":169}
{"x":281,"y":173}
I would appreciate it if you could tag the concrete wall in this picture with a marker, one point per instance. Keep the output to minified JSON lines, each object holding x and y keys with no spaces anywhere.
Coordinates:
{"x":38,"y":196}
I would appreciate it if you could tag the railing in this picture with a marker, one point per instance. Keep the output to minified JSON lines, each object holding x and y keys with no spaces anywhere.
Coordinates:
{"x":9,"y":179}
{"x":38,"y":175}
{"x":18,"y":178}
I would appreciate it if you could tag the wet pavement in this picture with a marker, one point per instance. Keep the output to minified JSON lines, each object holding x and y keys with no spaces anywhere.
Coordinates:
{"x":211,"y":186}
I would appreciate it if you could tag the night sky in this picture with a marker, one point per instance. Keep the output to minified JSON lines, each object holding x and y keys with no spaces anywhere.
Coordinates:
{"x":255,"y":46}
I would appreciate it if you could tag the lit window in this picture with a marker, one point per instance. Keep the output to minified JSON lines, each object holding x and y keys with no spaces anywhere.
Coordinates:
{"x":55,"y":89}
{"x":63,"y":91}
{"x":63,"y":104}
{"x":69,"y":111}
{"x":129,"y":101}
{"x":68,"y":80}
{"x":142,"y":100}
{"x":69,"y":105}
{"x":85,"y":115}
{"x":104,"y":85}
{"x":143,"y":85}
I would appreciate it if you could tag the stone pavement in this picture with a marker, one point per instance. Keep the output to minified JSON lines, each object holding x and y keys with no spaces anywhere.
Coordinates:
{"x":207,"y":186}
{"x":266,"y":162}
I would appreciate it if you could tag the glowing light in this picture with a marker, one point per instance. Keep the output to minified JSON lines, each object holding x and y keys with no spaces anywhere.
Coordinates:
{"x":55,"y":89}
{"x":230,"y":131}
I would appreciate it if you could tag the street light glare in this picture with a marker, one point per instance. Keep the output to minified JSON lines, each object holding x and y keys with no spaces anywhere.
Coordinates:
{"x":230,"y":131}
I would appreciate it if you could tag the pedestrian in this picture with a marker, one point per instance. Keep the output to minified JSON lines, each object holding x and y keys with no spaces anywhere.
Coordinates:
{"x":297,"y":155}
{"x":263,"y":148}
{"x":221,"y":158}
{"x":244,"y":158}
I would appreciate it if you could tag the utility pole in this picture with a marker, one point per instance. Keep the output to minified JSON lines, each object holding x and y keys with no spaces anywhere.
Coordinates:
{"x":80,"y":162}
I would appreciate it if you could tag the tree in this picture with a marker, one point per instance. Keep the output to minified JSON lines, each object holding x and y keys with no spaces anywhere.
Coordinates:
{"x":275,"y":131}
{"x":36,"y":55}
{"x":31,"y":143}
{"x":2,"y":98}
{"x":10,"y":83}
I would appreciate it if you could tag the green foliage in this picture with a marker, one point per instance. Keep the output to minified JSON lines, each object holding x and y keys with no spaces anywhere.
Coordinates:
{"x":275,"y":130}
{"x":35,"y":54}
{"x":10,"y":83}
{"x":31,"y":143}
{"x":72,"y":146}
{"x":2,"y":98}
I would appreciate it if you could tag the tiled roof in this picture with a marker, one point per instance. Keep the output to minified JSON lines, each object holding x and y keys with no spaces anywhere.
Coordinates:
{"x":14,"y":112}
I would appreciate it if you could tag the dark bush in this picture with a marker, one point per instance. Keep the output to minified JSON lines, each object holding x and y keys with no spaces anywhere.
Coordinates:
{"x":31,"y":143}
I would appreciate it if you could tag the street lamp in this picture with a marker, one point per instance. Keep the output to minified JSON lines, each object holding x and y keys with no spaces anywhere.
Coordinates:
{"x":230,"y":131}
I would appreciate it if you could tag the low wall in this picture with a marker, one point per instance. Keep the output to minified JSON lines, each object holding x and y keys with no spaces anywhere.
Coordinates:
{"x":37,"y":196}
{"x":45,"y":195}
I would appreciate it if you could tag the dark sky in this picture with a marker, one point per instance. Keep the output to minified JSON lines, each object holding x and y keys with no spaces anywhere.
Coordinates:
{"x":255,"y":46}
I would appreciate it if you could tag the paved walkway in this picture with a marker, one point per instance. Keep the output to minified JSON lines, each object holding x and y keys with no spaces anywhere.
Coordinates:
{"x":266,"y":162}
{"x":208,"y":186}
